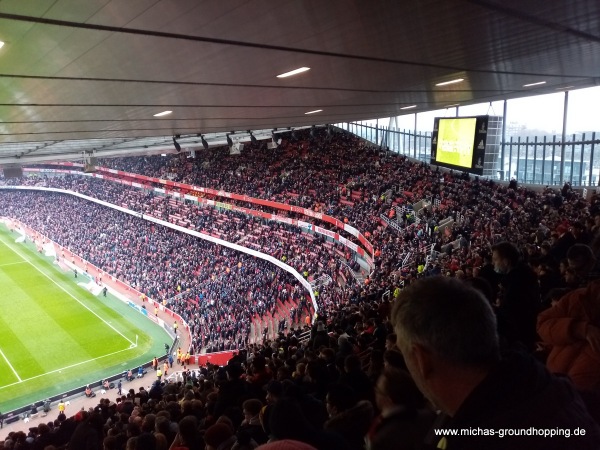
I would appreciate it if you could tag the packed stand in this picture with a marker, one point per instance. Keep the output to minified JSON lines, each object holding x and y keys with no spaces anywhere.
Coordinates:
{"x":324,"y":174}
{"x":213,"y":288}
{"x":311,"y":256}
{"x":470,"y":343}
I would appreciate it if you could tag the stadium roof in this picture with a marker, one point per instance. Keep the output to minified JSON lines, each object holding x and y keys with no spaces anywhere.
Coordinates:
{"x":88,"y":76}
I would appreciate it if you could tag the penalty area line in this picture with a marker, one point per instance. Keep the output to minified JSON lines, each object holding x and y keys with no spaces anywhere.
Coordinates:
{"x":64,"y":368}
{"x":13,"y":263}
{"x":10,"y":365}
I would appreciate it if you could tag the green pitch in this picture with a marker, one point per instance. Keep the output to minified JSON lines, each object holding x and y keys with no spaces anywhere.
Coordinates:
{"x":55,"y":335}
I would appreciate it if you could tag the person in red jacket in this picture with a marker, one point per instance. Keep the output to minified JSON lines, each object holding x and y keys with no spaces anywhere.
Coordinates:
{"x":572,"y":329}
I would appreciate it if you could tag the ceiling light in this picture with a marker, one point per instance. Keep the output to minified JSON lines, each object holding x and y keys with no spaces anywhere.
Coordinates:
{"x":445,"y":83}
{"x":534,"y":84}
{"x":164,"y":113}
{"x":313,"y":112}
{"x":293,"y":72}
{"x":409,"y":107}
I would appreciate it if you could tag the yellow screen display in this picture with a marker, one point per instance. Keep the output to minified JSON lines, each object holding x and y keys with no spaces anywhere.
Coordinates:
{"x":456,"y":138}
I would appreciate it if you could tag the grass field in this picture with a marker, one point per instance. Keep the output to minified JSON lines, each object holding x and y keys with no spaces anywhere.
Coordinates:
{"x":55,"y":335}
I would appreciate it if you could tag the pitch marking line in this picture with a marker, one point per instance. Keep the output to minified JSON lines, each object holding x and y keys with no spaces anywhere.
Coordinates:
{"x":67,"y":292}
{"x":10,"y":365}
{"x":62,"y":368}
{"x":12,"y":264}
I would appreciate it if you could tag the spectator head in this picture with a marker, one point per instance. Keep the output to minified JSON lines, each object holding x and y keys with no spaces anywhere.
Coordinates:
{"x":131,"y":443}
{"x":447,"y":333}
{"x":251,"y":408}
{"x":216,"y":435}
{"x":581,"y":259}
{"x":505,"y":257}
{"x":110,"y":443}
{"x":327,"y":354}
{"x":286,"y":444}
{"x":300,"y":369}
{"x":188,"y":431}
{"x":228,"y":421}
{"x":145,"y":441}
{"x":162,"y":425}
{"x":161,"y":441}
{"x":283,"y":373}
{"x":393,"y":358}
{"x":133,"y":429}
{"x":274,"y":391}
{"x":395,"y":388}
{"x":545,"y":248}
{"x":390,"y":342}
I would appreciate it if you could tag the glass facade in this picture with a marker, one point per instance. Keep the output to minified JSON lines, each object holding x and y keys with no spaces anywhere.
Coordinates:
{"x":539,"y":145}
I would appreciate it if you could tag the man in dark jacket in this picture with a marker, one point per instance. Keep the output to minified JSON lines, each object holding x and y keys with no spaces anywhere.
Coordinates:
{"x":321,"y":337}
{"x":519,"y":299}
{"x":231,"y":390}
{"x":447,"y":333}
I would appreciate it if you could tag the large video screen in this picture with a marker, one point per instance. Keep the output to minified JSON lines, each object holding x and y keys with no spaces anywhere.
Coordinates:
{"x":456,"y":139}
{"x":459,"y":143}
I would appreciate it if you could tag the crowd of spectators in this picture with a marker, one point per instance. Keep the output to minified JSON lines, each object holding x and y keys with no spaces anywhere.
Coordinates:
{"x":310,"y":256}
{"x":213,"y":288}
{"x":520,"y":290}
{"x":321,"y":174}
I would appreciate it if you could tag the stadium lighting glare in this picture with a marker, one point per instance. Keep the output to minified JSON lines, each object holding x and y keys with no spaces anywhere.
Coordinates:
{"x":534,"y":84}
{"x":291,"y":73}
{"x":314,"y":112}
{"x":164,"y":113}
{"x":1,"y":44}
{"x":409,"y":107}
{"x":446,"y":83}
